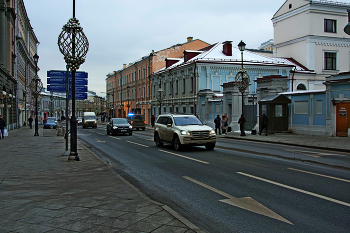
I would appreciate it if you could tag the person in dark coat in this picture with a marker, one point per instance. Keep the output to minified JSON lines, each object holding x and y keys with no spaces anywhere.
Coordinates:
{"x":224,"y":124}
{"x":264,"y":123}
{"x":217,"y":122}
{"x":30,"y":120}
{"x":153,"y":119}
{"x":2,"y":127}
{"x":241,"y":122}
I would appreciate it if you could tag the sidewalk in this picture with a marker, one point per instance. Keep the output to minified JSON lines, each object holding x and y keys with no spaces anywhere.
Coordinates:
{"x":41,"y":191}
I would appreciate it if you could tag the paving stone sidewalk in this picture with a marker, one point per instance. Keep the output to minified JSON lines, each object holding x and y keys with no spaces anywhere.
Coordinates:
{"x":41,"y":191}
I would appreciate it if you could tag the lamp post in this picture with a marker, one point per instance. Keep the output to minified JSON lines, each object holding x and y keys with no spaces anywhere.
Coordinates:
{"x":160,"y":98}
{"x":36,"y":87}
{"x":128,"y":88}
{"x":242,"y":79}
{"x":74,"y":45}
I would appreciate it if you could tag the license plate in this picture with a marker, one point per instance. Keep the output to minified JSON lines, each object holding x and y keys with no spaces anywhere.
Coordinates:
{"x":123,"y":130}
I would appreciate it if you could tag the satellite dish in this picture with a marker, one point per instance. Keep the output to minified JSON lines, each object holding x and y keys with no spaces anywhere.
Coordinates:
{"x":347,"y":29}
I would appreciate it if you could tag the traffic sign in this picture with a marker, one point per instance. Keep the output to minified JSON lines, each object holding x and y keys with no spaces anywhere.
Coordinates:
{"x":62,"y":81}
{"x":61,"y":73}
{"x":60,"y":88}
{"x":78,"y":96}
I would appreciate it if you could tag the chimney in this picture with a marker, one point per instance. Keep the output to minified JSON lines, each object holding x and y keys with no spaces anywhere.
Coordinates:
{"x":190,"y":38}
{"x":124,"y":66}
{"x":227,"y":48}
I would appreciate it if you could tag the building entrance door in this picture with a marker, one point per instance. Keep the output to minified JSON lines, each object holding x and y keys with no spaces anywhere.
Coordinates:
{"x":343,"y":111}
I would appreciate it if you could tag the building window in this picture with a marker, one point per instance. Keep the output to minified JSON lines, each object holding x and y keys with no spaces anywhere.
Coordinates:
{"x":183,"y":86}
{"x":318,"y":106}
{"x":301,"y":107}
{"x":192,"y":84}
{"x":290,"y":6}
{"x":301,"y":87}
{"x":143,"y":92}
{"x":184,"y":109}
{"x":330,"y":60}
{"x":330,"y":25}
{"x":177,"y":87}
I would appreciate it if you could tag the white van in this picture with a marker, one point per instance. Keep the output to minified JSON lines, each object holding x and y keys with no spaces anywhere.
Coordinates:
{"x":89,"y":120}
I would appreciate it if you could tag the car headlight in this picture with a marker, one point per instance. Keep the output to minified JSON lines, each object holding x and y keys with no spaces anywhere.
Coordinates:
{"x":130,"y":126}
{"x":184,"y":132}
{"x":212,"y":132}
{"x":115,"y":127}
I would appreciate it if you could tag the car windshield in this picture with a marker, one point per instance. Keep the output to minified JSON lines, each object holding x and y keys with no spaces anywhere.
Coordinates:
{"x":188,"y":120}
{"x":120,"y":121}
{"x":50,"y":120}
{"x":90,"y":118}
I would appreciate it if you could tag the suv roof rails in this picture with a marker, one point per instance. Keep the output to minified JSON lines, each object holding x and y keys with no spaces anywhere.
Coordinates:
{"x":176,"y":113}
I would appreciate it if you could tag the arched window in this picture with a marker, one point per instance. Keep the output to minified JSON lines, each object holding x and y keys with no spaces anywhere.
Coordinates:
{"x":301,"y":87}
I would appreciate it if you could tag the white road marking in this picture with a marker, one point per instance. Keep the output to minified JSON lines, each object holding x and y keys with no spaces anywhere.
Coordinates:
{"x":331,"y":177}
{"x":312,"y":153}
{"x":185,"y":157}
{"x":137,"y":144}
{"x":296,"y":189}
{"x":246,"y":203}
{"x":100,"y":141}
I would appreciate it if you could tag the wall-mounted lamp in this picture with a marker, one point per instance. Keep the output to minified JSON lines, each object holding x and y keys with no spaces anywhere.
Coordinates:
{"x":333,"y":102}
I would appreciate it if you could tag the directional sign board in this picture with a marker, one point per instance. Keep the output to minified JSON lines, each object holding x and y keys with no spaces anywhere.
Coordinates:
{"x":57,"y":83}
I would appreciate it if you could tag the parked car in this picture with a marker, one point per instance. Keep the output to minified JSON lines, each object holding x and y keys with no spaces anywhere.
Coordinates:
{"x":183,"y":130}
{"x":137,"y":121}
{"x":80,"y":120}
{"x":119,"y":126}
{"x":50,"y":122}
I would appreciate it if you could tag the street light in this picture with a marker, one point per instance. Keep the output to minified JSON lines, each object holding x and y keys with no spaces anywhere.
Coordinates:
{"x":128,"y":88}
{"x":36,"y":87}
{"x":242,"y":80}
{"x":74,"y":45}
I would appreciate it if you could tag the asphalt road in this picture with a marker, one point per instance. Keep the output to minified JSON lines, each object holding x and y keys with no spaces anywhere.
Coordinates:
{"x":238,"y":187}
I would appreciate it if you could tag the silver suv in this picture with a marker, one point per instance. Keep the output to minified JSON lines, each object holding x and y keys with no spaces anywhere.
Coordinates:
{"x":181,"y":130}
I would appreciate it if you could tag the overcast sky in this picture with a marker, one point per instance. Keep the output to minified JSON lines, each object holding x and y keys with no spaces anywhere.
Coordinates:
{"x":124,"y":31}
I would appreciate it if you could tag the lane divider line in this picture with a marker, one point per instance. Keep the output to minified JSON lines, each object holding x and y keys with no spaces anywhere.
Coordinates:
{"x":184,"y":157}
{"x":296,"y":189}
{"x":137,"y":143}
{"x":331,"y":177}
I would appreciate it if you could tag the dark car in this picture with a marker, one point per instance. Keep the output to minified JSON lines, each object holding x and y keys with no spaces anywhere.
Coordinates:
{"x":119,"y":126}
{"x":80,"y":120}
{"x":50,"y":122}
{"x":137,"y":121}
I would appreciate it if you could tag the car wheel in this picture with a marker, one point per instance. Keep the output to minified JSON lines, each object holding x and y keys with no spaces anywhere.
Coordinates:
{"x":177,"y":144}
{"x":143,"y":129}
{"x":130,"y":134}
{"x":108,"y":132}
{"x":157,"y":140}
{"x":210,"y":146}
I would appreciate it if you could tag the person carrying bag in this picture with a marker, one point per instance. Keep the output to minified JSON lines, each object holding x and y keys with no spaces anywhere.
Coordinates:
{"x":2,"y":128}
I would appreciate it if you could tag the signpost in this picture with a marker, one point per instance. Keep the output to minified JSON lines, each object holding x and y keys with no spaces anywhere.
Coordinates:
{"x":57,"y":83}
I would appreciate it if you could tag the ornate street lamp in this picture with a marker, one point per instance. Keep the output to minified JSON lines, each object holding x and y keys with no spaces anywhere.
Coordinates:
{"x":74,"y":45}
{"x":36,"y":86}
{"x":128,"y":88}
{"x":160,"y":97}
{"x":242,"y":80}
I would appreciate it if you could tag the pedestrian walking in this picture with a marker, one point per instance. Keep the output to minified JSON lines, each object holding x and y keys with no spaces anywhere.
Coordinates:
{"x":2,"y":127}
{"x":153,"y":119}
{"x":224,"y":124}
{"x":30,"y":120}
{"x":217,"y":122}
{"x":264,"y":123}
{"x":241,"y":122}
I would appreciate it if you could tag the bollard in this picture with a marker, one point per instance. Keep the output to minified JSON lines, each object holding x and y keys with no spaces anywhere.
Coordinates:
{"x":64,"y":132}
{"x":59,"y":132}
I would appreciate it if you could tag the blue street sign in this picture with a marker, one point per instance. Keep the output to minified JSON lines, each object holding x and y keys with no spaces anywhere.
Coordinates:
{"x":62,"y":81}
{"x":61,"y":88}
{"x":56,"y":88}
{"x":78,"y":96}
{"x":62,"y":73}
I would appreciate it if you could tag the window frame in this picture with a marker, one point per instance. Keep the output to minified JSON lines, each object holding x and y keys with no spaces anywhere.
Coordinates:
{"x":334,"y":60}
{"x":334,"y":25}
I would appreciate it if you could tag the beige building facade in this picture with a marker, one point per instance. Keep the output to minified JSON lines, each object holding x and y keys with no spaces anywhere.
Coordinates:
{"x":311,"y":32}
